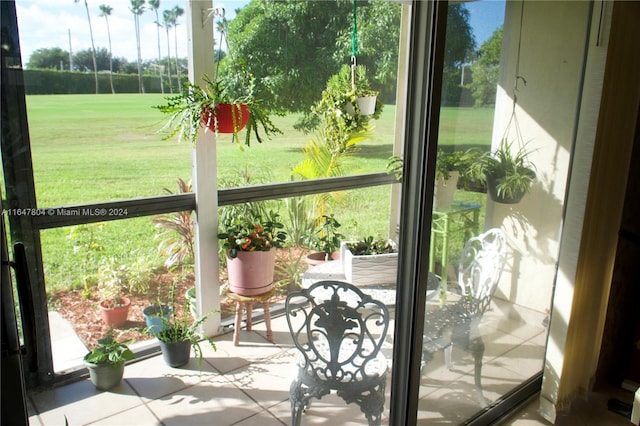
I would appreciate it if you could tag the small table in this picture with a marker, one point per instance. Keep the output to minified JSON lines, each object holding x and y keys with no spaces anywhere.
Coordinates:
{"x":461,"y":219}
{"x":246,"y":303}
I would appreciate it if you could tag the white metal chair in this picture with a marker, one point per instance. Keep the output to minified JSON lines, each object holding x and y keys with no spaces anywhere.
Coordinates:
{"x":339,"y":332}
{"x":481,"y":264}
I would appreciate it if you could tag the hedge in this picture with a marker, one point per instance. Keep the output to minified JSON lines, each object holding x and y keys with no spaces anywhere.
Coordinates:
{"x":52,"y":82}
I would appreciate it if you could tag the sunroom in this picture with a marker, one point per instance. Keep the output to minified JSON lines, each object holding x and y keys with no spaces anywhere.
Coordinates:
{"x":566,"y":95}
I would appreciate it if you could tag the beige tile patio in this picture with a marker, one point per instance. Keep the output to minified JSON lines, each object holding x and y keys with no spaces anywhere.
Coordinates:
{"x":213,"y":403}
{"x":153,"y":378}
{"x":82,"y":403}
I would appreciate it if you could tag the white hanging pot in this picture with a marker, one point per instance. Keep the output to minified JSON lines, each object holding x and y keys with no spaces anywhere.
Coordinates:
{"x":367,"y":104}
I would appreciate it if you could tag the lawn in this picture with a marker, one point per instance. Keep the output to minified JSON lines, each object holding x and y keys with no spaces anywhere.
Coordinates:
{"x":92,"y":148}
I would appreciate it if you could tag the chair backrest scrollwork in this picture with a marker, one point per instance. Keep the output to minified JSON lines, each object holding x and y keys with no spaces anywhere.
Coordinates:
{"x":481,"y":265}
{"x":339,"y":331}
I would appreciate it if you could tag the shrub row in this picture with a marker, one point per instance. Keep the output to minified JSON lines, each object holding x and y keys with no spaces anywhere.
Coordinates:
{"x":52,"y":82}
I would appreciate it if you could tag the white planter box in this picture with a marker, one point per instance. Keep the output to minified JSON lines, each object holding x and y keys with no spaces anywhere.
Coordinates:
{"x":374,"y":269}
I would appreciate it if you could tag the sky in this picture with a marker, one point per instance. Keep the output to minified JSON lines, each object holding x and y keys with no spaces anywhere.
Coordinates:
{"x":56,"y":23}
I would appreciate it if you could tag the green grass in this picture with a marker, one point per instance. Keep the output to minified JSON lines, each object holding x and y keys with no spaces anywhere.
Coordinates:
{"x":93,"y":148}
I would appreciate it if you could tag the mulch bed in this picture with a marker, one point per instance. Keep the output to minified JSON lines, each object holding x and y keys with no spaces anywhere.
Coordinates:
{"x":84,"y":315}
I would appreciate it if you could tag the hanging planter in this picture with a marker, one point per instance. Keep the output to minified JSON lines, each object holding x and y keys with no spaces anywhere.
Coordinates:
{"x":444,"y":191}
{"x":367,"y":104}
{"x":228,"y":118}
{"x":235,"y":96}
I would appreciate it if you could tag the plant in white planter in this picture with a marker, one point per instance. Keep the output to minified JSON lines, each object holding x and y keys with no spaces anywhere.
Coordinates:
{"x":450,"y":168}
{"x":370,"y":261}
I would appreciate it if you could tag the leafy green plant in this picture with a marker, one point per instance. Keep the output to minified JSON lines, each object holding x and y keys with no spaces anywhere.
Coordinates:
{"x":87,"y":244}
{"x":196,"y":105}
{"x":395,"y":165}
{"x":137,"y":274}
{"x":111,"y":283}
{"x":338,"y":110}
{"x":507,"y":167}
{"x":180,"y":329}
{"x":290,"y":266}
{"x":179,"y":232}
{"x":251,"y":234}
{"x":110,"y":351}
{"x":369,"y":245}
{"x":300,"y":215}
{"x":326,"y":237}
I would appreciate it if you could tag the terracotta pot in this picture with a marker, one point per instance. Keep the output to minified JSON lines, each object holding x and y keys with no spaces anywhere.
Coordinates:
{"x":251,"y":272}
{"x":115,"y":317}
{"x":319,"y":257}
{"x":226,"y":116}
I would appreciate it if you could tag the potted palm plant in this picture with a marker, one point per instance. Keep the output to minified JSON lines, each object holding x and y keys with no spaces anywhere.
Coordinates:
{"x":106,"y":362}
{"x":370,"y":261}
{"x":223,"y":105}
{"x":508,"y":172}
{"x":325,"y":241}
{"x":250,"y":244}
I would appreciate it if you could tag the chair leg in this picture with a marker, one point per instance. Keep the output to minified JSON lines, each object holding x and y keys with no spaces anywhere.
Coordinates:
{"x":447,"y":356}
{"x":477,"y":349}
{"x":371,"y":402}
{"x":297,"y":402}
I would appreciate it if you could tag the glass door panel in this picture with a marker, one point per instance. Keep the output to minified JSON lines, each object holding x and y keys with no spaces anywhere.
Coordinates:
{"x":486,"y":323}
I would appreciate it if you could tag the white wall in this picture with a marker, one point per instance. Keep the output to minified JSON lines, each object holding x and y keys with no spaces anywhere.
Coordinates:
{"x":551,"y":60}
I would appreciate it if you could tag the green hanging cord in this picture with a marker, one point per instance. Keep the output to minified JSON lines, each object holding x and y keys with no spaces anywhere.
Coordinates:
{"x":354,"y":47}
{"x":354,"y":33}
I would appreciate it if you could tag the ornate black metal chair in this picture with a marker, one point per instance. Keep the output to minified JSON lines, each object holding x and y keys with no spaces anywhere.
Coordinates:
{"x":456,"y":324}
{"x":339,"y":332}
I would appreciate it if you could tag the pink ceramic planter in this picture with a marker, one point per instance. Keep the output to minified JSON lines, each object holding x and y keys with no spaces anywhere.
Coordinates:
{"x":251,"y":272}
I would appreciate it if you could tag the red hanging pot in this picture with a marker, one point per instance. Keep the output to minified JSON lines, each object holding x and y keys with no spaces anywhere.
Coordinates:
{"x":228,"y":117}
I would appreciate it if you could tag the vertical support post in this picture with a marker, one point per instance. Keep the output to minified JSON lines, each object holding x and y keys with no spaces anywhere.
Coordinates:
{"x":204,"y":173}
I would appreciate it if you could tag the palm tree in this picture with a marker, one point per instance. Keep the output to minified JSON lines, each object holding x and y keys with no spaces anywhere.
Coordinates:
{"x":155,"y":4}
{"x":167,"y":17}
{"x":137,"y":8}
{"x":177,"y":12}
{"x":93,"y":48}
{"x":105,"y":11}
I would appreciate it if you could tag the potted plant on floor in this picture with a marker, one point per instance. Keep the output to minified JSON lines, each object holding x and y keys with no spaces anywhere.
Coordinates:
{"x":508,"y":172}
{"x":114,"y":307}
{"x":370,"y":261}
{"x":179,"y":334}
{"x":250,"y":244}
{"x":222,"y":105}
{"x":106,"y":362}
{"x":325,"y":241}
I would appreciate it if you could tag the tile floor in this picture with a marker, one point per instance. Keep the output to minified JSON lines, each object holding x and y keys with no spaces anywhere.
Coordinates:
{"x":248,"y":385}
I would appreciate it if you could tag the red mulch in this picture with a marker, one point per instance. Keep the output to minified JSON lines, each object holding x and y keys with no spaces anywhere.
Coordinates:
{"x":83,"y":313}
